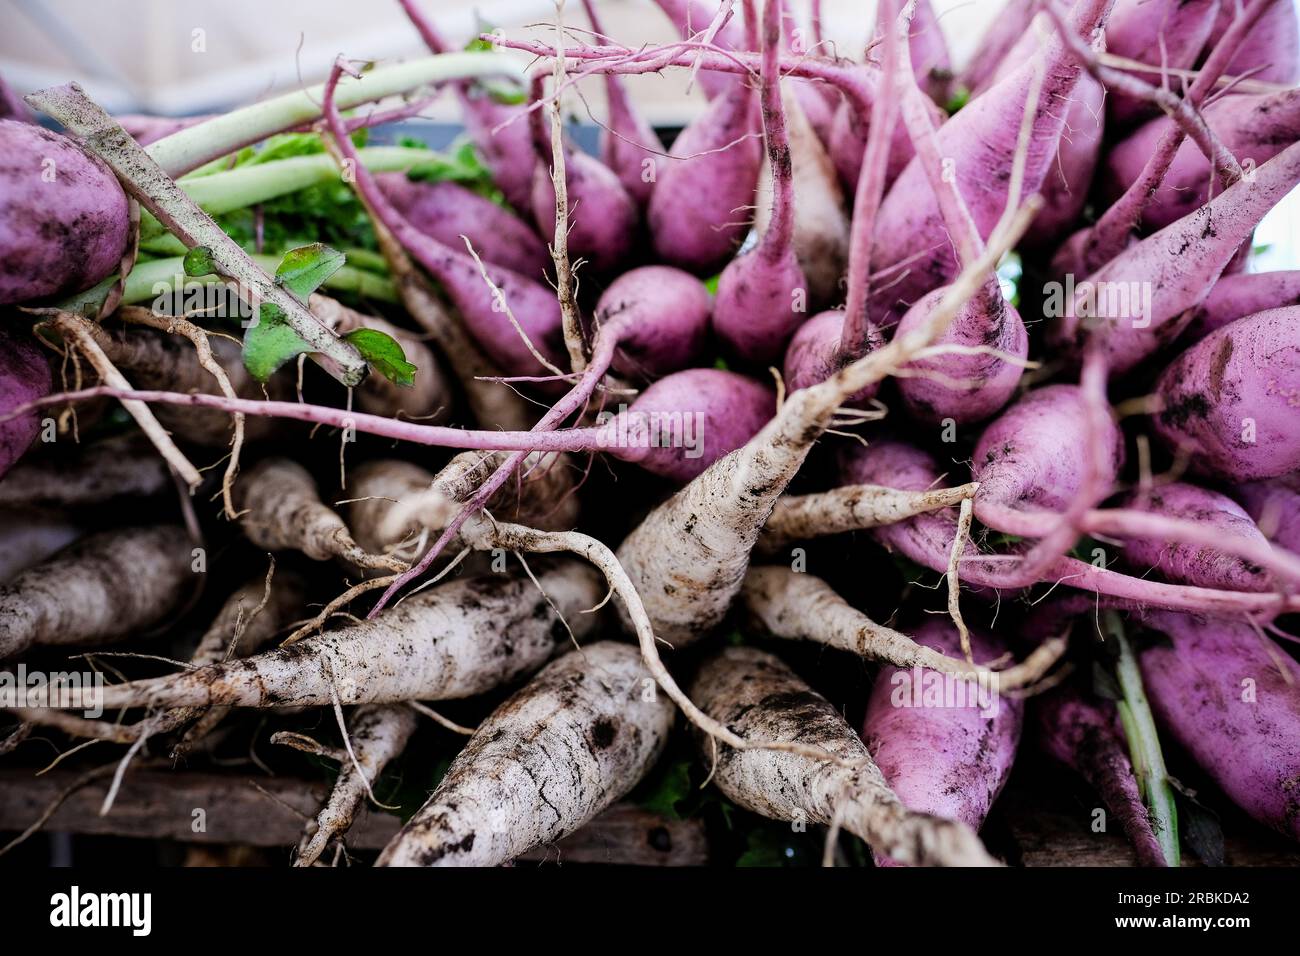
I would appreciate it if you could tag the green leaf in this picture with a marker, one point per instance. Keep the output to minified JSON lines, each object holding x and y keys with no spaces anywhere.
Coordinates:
{"x":672,"y":788}
{"x":385,"y":353}
{"x":721,"y":364}
{"x":198,"y":262}
{"x":959,"y":99}
{"x":303,"y":270}
{"x":270,"y":342}
{"x":712,"y":283}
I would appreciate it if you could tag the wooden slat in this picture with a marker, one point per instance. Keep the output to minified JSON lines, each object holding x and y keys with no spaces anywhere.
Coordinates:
{"x":160,"y":805}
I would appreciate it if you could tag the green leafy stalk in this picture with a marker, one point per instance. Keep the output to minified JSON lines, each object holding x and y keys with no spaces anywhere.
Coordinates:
{"x":1144,"y":742}
{"x":190,"y":148}
{"x":260,"y":182}
{"x":159,"y":277}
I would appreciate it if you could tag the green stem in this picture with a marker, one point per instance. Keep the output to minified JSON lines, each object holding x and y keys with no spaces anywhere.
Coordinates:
{"x":261,"y":182}
{"x":190,"y":148}
{"x":1144,"y":743}
{"x":146,"y":280}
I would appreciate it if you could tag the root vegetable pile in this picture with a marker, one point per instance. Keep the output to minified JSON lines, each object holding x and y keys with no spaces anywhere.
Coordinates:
{"x":895,"y":419}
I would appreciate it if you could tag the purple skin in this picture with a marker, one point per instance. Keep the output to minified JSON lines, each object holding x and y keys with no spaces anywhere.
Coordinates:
{"x":762,"y":293}
{"x":629,"y":141}
{"x":694,"y":16}
{"x":663,"y":320}
{"x":603,"y":218}
{"x":848,"y":140}
{"x":508,"y":150}
{"x":534,"y":305}
{"x":636,"y":142}
{"x":930,"y":60}
{"x":720,"y":411}
{"x":58,"y":236}
{"x":975,"y":386}
{"x":1086,"y":736}
{"x":447,"y":211}
{"x":951,"y":761}
{"x":1159,"y":32}
{"x":1005,"y":31}
{"x":1275,"y":507}
{"x":1232,"y":401}
{"x":1068,"y":181}
{"x":1190,"y":564}
{"x":1220,"y":691}
{"x":910,"y":228}
{"x":699,"y":211}
{"x":24,"y":377}
{"x":1252,"y":127}
{"x":1177,"y":266}
{"x":1272,"y":45}
{"x":1029,"y":461}
{"x":1237,"y":296}
{"x":12,"y":106}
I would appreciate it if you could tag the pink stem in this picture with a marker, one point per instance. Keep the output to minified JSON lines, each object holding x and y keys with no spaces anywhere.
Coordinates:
{"x":916,"y":108}
{"x":817,"y":22}
{"x":602,"y":354}
{"x":1120,"y":221}
{"x":424,"y":26}
{"x":439,"y":436}
{"x":854,"y":82}
{"x":622,"y":115}
{"x":857,"y":337}
{"x":777,"y":240}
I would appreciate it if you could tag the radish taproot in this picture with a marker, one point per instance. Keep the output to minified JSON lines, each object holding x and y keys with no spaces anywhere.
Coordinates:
{"x":79,"y":595}
{"x":574,"y":739}
{"x":760,"y":697}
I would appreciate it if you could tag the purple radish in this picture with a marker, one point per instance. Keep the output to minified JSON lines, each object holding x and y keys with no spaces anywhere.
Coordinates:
{"x":1180,"y":262}
{"x":603,"y":218}
{"x":762,"y":294}
{"x":1271,"y":53}
{"x":533,"y":304}
{"x":699,"y":211}
{"x":821,"y":226}
{"x":944,"y":744}
{"x":980,"y":141}
{"x":629,"y":146}
{"x":1231,"y":698}
{"x":24,"y":377}
{"x":1069,"y":180}
{"x":660,"y":316}
{"x":1085,"y":735}
{"x":446,"y":211}
{"x":63,"y":216}
{"x":1190,"y":564}
{"x":1004,"y":33}
{"x":965,"y":386}
{"x":929,"y":50}
{"x":1254,"y":127}
{"x":1029,"y":461}
{"x":1275,"y":507}
{"x":1237,"y":296}
{"x":12,"y":106}
{"x":500,"y":131}
{"x":1163,"y":33}
{"x":694,"y":16}
{"x":716,"y":412}
{"x":927,"y":541}
{"x":1231,"y":402}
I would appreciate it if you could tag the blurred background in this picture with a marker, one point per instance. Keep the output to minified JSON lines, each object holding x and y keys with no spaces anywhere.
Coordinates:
{"x":179,"y":57}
